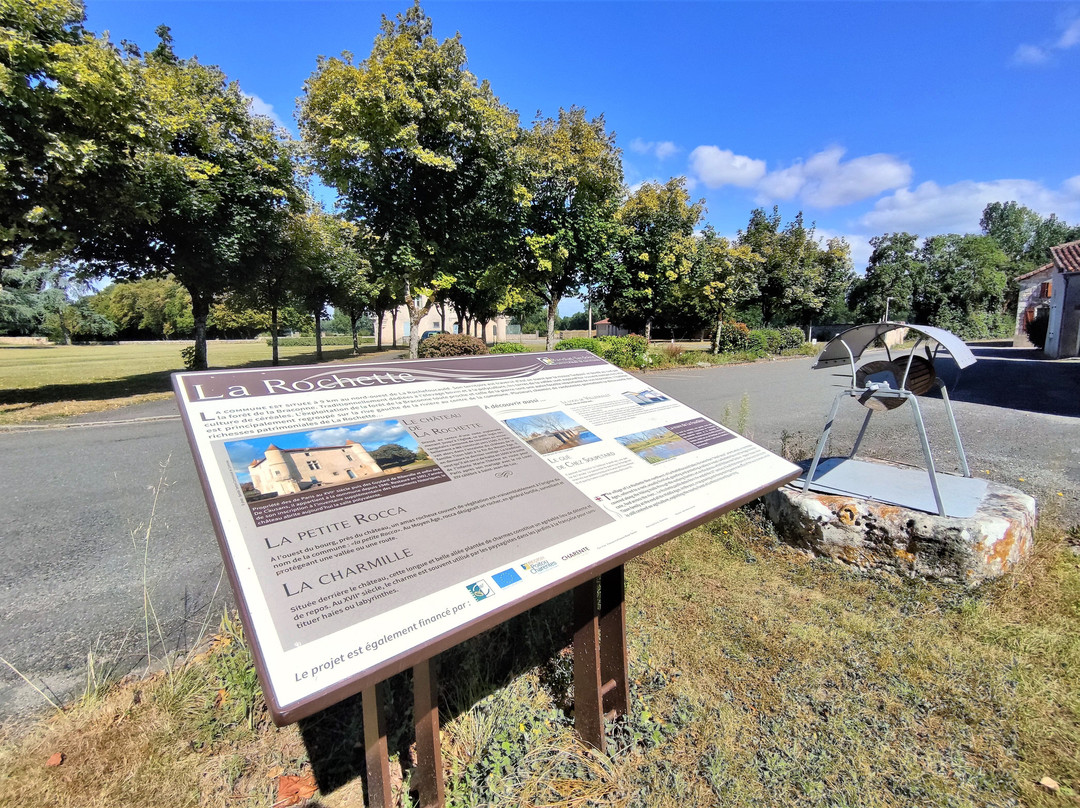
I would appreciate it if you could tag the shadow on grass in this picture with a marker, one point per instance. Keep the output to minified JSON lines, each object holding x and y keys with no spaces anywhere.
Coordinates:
{"x":156,"y":381}
{"x":467,"y":673}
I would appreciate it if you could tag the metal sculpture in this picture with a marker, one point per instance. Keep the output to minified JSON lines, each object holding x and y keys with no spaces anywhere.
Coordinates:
{"x":884,"y":385}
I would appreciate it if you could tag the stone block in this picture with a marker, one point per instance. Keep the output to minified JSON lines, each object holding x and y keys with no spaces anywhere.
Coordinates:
{"x":875,"y":535}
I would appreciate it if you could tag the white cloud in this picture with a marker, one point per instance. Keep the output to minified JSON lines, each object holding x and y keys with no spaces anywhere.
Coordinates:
{"x":824,"y":180}
{"x":374,"y":434}
{"x":661,"y":150}
{"x":260,"y":107}
{"x":931,"y":209}
{"x":716,"y":167}
{"x":1028,"y":54}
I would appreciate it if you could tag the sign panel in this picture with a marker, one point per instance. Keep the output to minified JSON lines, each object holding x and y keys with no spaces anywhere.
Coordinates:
{"x":371,"y":515}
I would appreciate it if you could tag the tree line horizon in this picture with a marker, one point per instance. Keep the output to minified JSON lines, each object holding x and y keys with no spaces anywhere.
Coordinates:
{"x":153,"y":171}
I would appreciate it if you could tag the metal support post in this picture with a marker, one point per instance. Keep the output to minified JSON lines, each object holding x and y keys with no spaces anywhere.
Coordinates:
{"x":823,"y":439}
{"x":926,"y":453}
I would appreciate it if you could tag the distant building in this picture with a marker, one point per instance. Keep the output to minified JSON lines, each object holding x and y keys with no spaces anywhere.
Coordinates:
{"x":289,"y":471}
{"x":1063,"y":330}
{"x":605,"y":328}
{"x":1033,"y":300}
{"x":497,"y":328}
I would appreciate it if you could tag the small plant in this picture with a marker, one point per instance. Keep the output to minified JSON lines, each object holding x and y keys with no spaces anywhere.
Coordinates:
{"x":451,"y":345}
{"x":508,"y":347}
{"x":188,"y":355}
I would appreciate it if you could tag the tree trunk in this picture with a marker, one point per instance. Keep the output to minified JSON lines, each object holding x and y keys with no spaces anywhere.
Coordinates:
{"x":442,"y":316}
{"x":274,"y":335}
{"x":318,"y":334}
{"x":200,"y":311}
{"x":483,"y":331}
{"x":416,"y":314}
{"x":393,"y":328}
{"x":378,"y":339}
{"x":354,"y":318}
{"x":553,"y":309}
{"x":648,"y":329}
{"x":716,"y":336}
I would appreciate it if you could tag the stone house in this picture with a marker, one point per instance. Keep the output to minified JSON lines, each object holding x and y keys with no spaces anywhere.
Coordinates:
{"x":1033,"y":300}
{"x":1063,"y":331}
{"x":289,"y":471}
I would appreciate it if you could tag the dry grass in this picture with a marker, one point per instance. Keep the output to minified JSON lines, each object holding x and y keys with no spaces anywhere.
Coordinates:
{"x":759,"y":677}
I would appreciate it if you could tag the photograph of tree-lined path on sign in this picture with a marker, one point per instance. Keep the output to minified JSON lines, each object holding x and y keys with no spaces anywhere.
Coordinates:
{"x":280,"y":465}
{"x":656,"y":445}
{"x":550,"y":431}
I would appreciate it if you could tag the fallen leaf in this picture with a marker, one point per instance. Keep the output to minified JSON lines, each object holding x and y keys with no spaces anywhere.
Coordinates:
{"x":277,"y":771}
{"x":221,"y":698}
{"x":292,"y":789}
{"x":55,"y":760}
{"x":1050,"y":784}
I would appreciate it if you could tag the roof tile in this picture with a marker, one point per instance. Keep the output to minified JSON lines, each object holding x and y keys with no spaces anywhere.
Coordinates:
{"x":1067,"y":256}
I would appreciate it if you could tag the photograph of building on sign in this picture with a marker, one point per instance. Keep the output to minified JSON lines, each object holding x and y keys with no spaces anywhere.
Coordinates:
{"x":656,"y":445}
{"x":281,"y":465}
{"x":646,"y":396}
{"x":550,"y":432}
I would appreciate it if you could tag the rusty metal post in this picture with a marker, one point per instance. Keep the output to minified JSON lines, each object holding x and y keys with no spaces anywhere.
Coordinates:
{"x":376,"y":751}
{"x":428,"y":748}
{"x":613,"y":661}
{"x":588,"y":698}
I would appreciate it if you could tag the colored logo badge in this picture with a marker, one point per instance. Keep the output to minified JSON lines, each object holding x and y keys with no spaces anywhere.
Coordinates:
{"x":479,"y":590}
{"x":538,"y":565}
{"x":506,"y":578}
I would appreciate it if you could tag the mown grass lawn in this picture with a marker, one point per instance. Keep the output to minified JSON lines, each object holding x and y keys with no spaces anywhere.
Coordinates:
{"x":55,"y":381}
{"x":760,"y":677}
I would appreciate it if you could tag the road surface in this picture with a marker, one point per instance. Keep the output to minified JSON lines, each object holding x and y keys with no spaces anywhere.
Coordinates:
{"x":78,"y":500}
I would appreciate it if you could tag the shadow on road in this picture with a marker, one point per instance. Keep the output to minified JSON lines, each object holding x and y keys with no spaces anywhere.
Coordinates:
{"x":1014,"y":378}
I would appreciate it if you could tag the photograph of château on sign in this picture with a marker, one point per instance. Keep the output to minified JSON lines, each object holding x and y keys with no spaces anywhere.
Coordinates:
{"x":645,"y":397}
{"x":550,"y":431}
{"x":656,"y":445}
{"x":280,"y":465}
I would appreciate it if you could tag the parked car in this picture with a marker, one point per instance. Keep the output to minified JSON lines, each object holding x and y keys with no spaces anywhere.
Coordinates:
{"x":427,"y":334}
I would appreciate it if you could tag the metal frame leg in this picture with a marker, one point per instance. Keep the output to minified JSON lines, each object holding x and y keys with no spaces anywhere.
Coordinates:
{"x":955,"y":432}
{"x":823,"y":440}
{"x":921,"y":427}
{"x":862,"y":432}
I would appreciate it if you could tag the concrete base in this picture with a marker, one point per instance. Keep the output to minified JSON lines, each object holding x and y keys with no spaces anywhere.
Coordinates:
{"x":875,"y":535}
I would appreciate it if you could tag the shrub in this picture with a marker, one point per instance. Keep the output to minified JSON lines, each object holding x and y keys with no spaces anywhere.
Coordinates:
{"x":733,"y":337}
{"x":1036,"y":330}
{"x":791,"y":338}
{"x":451,"y":345}
{"x":757,"y":342}
{"x":626,"y":352}
{"x":508,"y":347}
{"x":188,"y":355}
{"x":309,"y":342}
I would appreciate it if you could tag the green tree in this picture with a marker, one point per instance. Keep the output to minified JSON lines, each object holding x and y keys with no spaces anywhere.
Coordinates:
{"x":894,"y":270}
{"x":965,"y":285}
{"x":70,"y":115}
{"x":574,"y":178}
{"x":790,"y":281}
{"x":657,"y":248}
{"x":1012,"y":226}
{"x":723,"y":276}
{"x":418,"y":150}
{"x":211,"y":177}
{"x":151,"y":307}
{"x":392,"y":454}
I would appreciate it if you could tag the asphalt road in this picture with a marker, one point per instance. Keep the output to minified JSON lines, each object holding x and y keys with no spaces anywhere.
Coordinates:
{"x":79,"y":499}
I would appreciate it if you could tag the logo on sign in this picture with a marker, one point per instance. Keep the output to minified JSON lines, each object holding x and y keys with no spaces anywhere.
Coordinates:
{"x":479,"y":589}
{"x":506,"y":578}
{"x":538,"y":565}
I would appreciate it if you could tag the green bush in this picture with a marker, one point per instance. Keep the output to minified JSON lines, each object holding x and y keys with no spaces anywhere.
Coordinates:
{"x":733,"y":337}
{"x":791,"y":338}
{"x":757,"y":342}
{"x":451,"y":345}
{"x":1036,"y":330}
{"x":508,"y":347}
{"x":626,"y":352}
{"x":188,"y":355}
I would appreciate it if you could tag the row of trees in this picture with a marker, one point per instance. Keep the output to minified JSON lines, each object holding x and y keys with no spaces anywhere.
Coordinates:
{"x":132,"y":165}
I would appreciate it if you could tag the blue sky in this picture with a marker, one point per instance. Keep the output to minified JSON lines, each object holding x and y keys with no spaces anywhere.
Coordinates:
{"x":869,"y":117}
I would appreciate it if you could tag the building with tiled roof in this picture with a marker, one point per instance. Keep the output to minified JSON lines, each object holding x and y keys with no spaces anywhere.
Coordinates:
{"x":1063,"y":329}
{"x":1033,"y":300}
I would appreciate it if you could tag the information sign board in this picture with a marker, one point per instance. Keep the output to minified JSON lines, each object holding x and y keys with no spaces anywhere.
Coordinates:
{"x":371,"y":515}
